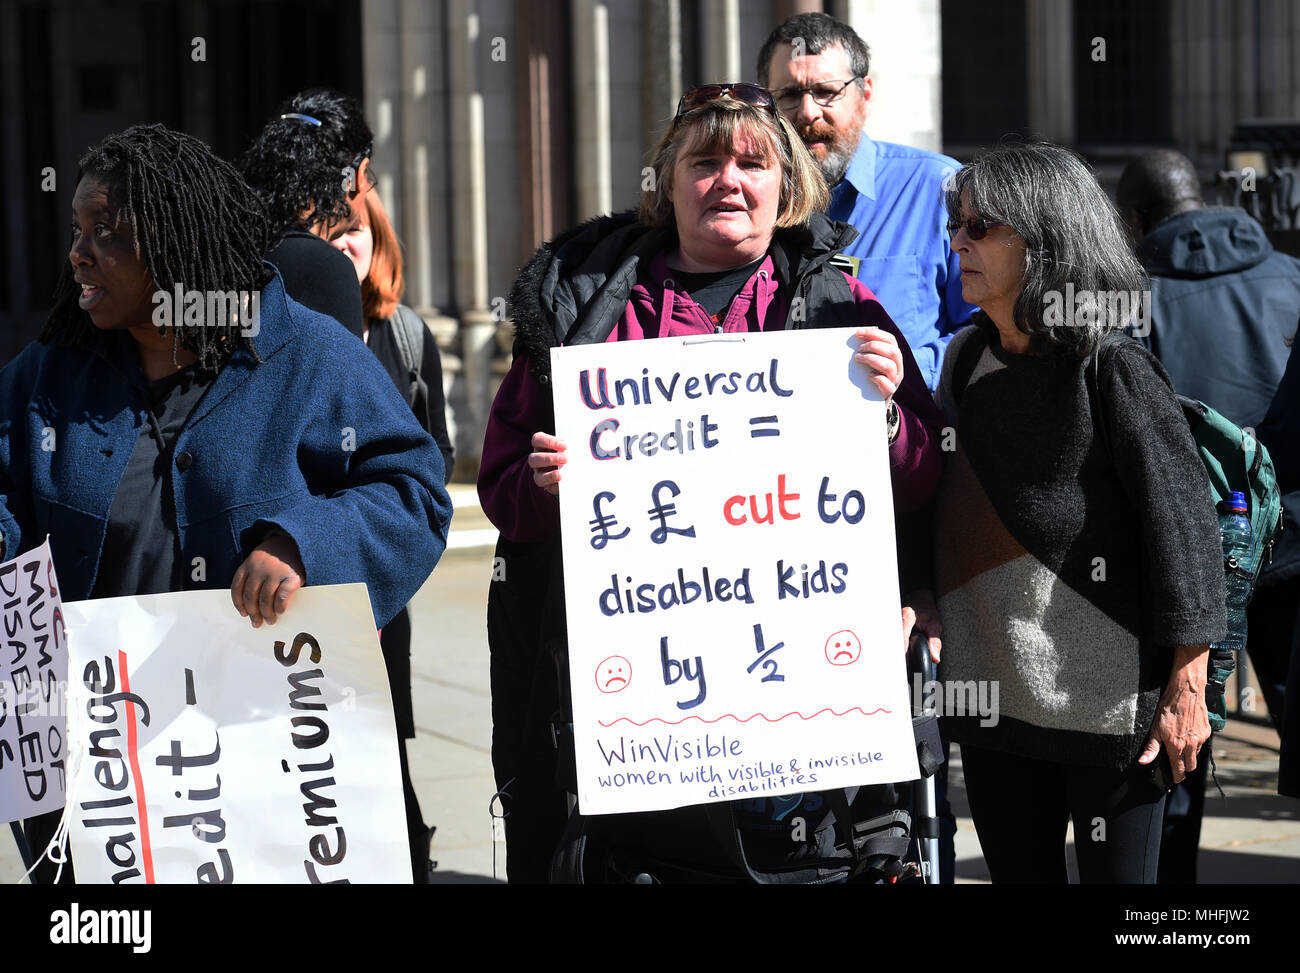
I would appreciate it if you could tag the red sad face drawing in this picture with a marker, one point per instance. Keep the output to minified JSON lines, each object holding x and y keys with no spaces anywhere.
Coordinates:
{"x":843,"y":648}
{"x":613,"y":674}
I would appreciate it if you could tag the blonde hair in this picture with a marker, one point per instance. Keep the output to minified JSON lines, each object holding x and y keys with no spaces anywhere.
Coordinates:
{"x":717,"y":126}
{"x":382,"y":289}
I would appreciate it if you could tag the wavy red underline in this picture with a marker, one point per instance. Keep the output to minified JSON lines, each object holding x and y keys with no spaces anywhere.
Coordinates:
{"x":731,"y":716}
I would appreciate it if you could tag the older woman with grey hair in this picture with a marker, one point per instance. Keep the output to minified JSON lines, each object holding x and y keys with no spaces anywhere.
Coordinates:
{"x":1077,"y":556}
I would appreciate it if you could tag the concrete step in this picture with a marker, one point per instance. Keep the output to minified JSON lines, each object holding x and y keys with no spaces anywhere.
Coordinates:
{"x":470,"y":528}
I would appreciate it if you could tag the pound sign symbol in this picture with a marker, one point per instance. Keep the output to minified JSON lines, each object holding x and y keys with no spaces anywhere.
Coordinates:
{"x":662,"y":511}
{"x":601,"y":524}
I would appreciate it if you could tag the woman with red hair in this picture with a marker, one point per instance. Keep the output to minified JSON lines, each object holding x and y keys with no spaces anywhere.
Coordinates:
{"x":405,"y":347}
{"x":374,"y":250}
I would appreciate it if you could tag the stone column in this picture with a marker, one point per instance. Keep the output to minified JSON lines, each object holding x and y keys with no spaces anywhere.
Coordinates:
{"x":593,"y":180}
{"x":1050,"y":36}
{"x":661,"y":53}
{"x":469,"y":228}
{"x":406,"y":104}
{"x":381,"y":69}
{"x":906,"y":72}
{"x":423,"y":159}
{"x":720,"y":24}
{"x":543,"y":150}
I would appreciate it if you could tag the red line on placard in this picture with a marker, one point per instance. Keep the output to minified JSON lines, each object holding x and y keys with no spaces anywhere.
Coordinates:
{"x":145,"y":848}
{"x":746,"y":719}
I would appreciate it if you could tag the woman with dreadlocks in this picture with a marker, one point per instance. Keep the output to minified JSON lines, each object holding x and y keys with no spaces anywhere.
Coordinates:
{"x":310,"y":164}
{"x":203,"y":442}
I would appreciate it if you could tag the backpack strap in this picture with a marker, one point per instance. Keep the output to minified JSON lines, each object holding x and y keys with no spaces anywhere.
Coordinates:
{"x":1093,"y":367}
{"x":408,"y":332}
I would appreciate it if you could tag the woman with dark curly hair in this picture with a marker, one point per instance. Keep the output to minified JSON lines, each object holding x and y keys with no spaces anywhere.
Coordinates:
{"x":311,"y":167}
{"x":207,"y":437}
{"x":1077,"y":553}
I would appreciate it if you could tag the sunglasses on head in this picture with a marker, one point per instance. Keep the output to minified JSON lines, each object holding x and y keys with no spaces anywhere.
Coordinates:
{"x":977,"y":228}
{"x":354,"y":167}
{"x":742,"y":91}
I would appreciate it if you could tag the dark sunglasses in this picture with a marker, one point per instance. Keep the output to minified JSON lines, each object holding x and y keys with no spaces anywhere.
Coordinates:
{"x":742,"y":91}
{"x":976,"y":228}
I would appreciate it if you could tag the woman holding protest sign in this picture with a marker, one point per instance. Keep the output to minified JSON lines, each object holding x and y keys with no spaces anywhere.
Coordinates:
{"x":1078,"y":559}
{"x":231,"y":443}
{"x":729,"y":238}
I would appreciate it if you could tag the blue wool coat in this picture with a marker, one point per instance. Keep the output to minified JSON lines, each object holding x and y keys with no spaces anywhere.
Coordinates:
{"x":314,"y":440}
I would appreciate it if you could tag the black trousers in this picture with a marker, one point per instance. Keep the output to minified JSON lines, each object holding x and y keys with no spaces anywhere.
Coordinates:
{"x":395,"y":640}
{"x":1271,"y":619}
{"x":1184,"y":810}
{"x":1021,"y":808}
{"x":524,"y":618}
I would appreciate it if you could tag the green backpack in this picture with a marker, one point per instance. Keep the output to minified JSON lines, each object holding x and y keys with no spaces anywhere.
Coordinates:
{"x":1236,"y":462}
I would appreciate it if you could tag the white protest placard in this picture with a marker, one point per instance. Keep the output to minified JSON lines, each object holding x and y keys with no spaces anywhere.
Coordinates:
{"x":730,"y":578}
{"x":209,"y":751}
{"x":33,"y":673}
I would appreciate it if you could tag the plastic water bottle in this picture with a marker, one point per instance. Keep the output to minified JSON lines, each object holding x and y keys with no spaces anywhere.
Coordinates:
{"x":1239,"y":560}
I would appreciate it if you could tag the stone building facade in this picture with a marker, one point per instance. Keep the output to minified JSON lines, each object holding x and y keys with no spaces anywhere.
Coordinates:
{"x":501,"y":122}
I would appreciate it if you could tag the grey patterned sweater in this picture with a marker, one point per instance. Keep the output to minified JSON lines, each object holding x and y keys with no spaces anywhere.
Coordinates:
{"x":1069,"y":564}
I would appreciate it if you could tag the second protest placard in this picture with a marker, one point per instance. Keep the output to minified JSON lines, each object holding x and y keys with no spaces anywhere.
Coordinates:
{"x":212,"y":752}
{"x":730,"y":575}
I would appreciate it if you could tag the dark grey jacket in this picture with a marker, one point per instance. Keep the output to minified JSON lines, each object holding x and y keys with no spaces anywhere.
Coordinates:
{"x":1224,"y":304}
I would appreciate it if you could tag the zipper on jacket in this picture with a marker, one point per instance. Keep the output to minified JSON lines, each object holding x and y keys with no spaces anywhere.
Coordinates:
{"x":758,"y":301}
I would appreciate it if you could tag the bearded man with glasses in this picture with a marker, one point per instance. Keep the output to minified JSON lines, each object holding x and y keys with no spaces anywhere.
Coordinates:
{"x":816,"y":69}
{"x":893,"y":195}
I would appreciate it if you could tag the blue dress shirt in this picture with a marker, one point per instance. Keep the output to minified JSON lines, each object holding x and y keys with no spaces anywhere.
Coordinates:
{"x":893,"y":195}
